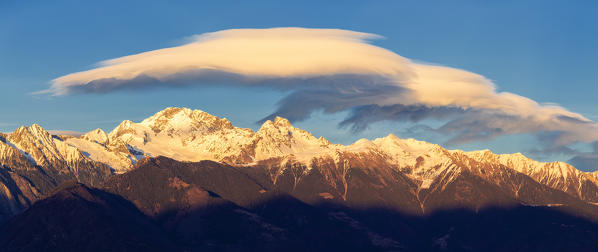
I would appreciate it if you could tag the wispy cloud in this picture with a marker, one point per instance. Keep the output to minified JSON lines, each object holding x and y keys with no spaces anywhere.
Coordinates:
{"x":338,"y":70}
{"x":65,"y":132}
{"x":2,"y":124}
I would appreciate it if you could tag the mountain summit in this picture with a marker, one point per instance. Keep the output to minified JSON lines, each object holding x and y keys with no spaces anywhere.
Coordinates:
{"x":196,"y":175}
{"x":36,"y":161}
{"x":194,"y":135}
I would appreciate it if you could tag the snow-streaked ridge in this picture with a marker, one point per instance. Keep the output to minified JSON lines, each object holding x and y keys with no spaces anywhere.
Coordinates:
{"x":193,"y":135}
{"x":45,"y":150}
{"x":557,"y":175}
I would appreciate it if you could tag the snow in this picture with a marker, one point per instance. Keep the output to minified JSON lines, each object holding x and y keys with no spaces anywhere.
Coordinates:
{"x":194,"y":135}
{"x":5,"y":151}
{"x":97,"y":135}
{"x":279,"y":138}
{"x":557,"y":175}
{"x":43,"y":149}
{"x":426,"y":182}
{"x":183,"y":134}
{"x":97,"y":152}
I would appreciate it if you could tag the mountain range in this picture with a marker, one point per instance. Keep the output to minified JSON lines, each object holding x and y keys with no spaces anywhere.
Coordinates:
{"x":196,"y":182}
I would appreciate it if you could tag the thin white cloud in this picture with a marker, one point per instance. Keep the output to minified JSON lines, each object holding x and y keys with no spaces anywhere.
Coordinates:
{"x":337,"y":70}
{"x":65,"y":132}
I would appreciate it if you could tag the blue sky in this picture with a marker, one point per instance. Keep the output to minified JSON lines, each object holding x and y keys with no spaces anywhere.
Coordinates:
{"x":543,"y":50}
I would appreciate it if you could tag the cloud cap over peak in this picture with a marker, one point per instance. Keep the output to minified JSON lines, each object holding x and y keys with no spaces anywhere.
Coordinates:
{"x":337,"y":70}
{"x":251,"y":54}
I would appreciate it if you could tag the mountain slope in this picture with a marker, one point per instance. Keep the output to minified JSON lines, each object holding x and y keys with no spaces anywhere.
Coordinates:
{"x":209,"y":206}
{"x":33,"y":162}
{"x":403,"y":174}
{"x":557,"y":175}
{"x":58,"y":159}
{"x":78,"y":218}
{"x":193,"y":135}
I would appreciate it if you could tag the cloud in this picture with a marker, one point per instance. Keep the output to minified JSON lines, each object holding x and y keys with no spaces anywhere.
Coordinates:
{"x":586,"y":161}
{"x":252,"y":55}
{"x":338,"y":70}
{"x":360,"y":117}
{"x":65,"y":132}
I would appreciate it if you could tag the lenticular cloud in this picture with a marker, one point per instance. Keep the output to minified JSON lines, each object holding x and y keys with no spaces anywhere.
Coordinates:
{"x":337,"y":70}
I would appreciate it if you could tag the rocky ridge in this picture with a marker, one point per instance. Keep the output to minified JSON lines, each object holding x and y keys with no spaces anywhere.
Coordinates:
{"x":34,"y":161}
{"x":194,"y":135}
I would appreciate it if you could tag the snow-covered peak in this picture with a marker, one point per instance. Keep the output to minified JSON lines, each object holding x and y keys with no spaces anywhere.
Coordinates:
{"x":38,"y":130}
{"x":408,"y":151}
{"x":170,"y":111}
{"x":516,"y":161}
{"x":182,"y":134}
{"x":558,"y":175}
{"x":97,"y":135}
{"x":278,"y":123}
{"x":279,"y":138}
{"x":33,"y":133}
{"x":361,"y":145}
{"x":393,"y":144}
{"x":184,"y":120}
{"x":126,"y":127}
{"x":194,"y":135}
{"x":424,"y":162}
{"x":281,"y":130}
{"x":36,"y":143}
{"x":282,"y":122}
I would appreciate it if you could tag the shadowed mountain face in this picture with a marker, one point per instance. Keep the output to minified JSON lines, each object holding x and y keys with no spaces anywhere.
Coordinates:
{"x":79,"y":218}
{"x":211,"y":206}
{"x":281,"y":189}
{"x":164,"y":204}
{"x":405,"y":175}
{"x":195,"y":216}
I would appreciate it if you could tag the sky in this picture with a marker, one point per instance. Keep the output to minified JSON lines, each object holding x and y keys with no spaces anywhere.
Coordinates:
{"x":403,"y":57}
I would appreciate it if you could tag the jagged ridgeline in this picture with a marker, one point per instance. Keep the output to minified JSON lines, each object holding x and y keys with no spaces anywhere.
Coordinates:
{"x":254,"y":174}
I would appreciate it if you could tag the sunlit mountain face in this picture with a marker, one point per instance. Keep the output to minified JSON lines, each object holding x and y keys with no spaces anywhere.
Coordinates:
{"x":186,"y":180}
{"x":298,"y":126}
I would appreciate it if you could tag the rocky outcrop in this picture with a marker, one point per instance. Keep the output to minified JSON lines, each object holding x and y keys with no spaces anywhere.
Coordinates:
{"x":164,"y":204}
{"x":193,"y":135}
{"x":418,"y":173}
{"x":33,"y":162}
